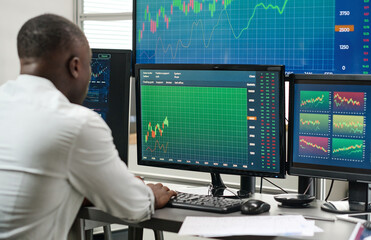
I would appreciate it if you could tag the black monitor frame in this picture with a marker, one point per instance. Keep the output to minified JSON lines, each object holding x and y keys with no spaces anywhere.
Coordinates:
{"x":339,"y":173}
{"x":358,"y":178}
{"x":118,"y":98}
{"x":134,"y":36}
{"x":211,"y":169}
{"x":345,"y":52}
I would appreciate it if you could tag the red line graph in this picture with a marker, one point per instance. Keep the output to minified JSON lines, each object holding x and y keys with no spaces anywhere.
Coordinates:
{"x":160,"y":146}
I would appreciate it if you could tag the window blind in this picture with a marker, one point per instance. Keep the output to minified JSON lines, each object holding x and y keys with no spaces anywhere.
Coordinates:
{"x":109,"y":34}
{"x":107,"y":24}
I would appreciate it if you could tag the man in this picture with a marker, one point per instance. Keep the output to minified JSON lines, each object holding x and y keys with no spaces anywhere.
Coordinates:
{"x":54,"y":152}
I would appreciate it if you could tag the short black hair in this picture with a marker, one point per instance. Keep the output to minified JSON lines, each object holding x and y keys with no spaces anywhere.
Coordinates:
{"x":47,"y":33}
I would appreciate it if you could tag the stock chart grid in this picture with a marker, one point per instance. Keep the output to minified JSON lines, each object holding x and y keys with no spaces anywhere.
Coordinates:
{"x":332,"y":126}
{"x":298,"y":34}
{"x":225,"y":119}
{"x":195,"y":124}
{"x":98,"y":93}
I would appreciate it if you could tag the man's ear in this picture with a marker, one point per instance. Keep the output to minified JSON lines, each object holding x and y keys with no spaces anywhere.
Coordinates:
{"x":74,"y":66}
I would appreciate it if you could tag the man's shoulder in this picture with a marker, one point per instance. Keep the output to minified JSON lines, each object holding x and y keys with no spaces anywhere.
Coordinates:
{"x":80,"y":112}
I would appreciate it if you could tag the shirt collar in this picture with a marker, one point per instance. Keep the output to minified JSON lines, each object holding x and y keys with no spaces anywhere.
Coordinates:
{"x":37,"y":82}
{"x":31,"y":79}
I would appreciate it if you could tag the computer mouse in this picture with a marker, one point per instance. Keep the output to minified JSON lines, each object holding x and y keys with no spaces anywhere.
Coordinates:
{"x":254,"y":206}
{"x":330,"y":206}
{"x":336,"y":207}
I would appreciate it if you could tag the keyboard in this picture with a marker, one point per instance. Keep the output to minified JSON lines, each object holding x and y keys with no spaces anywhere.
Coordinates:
{"x":205,"y":203}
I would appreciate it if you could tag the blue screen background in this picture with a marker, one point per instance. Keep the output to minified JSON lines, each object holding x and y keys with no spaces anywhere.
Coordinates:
{"x":306,"y":130}
{"x":314,"y":36}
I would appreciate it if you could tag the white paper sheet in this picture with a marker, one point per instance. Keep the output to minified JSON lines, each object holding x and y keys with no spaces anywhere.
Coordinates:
{"x":290,"y":225}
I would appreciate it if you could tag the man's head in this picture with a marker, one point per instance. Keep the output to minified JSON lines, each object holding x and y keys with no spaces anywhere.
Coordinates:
{"x":52,"y":47}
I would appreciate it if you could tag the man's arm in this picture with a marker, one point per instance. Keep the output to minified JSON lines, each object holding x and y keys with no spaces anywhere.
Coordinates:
{"x":98,"y":173}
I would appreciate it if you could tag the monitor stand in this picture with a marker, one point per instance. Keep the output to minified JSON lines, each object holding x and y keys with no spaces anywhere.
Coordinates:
{"x":217,"y":185}
{"x":359,"y":200}
{"x":306,"y":185}
{"x":247,"y":186}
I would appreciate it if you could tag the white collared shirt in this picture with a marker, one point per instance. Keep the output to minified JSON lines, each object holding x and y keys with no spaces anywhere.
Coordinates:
{"x":52,"y":154}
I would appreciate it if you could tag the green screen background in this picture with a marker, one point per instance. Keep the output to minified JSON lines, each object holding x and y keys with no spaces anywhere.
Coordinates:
{"x":204,"y":123}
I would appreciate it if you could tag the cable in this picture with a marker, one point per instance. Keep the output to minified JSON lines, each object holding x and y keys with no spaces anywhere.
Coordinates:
{"x":226,"y":188}
{"x":236,"y":195}
{"x":283,"y":190}
{"x":261,"y":184}
{"x":329,"y":191}
{"x":343,"y":199}
{"x":310,"y":183}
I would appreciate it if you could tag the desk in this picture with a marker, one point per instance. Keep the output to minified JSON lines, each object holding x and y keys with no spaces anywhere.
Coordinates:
{"x":171,"y":219}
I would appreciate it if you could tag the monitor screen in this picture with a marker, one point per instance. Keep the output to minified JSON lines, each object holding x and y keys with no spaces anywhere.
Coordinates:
{"x":212,"y":118}
{"x":329,"y":123}
{"x":109,"y":93}
{"x":308,"y":37}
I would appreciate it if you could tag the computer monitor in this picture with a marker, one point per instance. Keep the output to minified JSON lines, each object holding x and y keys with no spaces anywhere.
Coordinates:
{"x":109,"y":93}
{"x":212,"y":118}
{"x":329,"y":131}
{"x":312,"y":37}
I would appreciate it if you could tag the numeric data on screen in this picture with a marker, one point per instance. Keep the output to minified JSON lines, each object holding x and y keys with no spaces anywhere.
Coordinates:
{"x":225,"y":119}
{"x":326,"y":37}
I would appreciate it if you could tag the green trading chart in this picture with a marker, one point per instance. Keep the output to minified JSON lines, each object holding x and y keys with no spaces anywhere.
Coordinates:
{"x":194,"y":123}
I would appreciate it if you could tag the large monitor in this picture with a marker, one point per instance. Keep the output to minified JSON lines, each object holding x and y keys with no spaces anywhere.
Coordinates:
{"x":317,"y":36}
{"x":109,"y":93}
{"x":329,"y":129}
{"x":212,"y":118}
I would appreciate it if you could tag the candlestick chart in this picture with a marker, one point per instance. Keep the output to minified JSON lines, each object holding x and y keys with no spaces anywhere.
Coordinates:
{"x":195,"y":123}
{"x":314,"y":123}
{"x":98,"y":93}
{"x":314,"y":100}
{"x":100,"y":79}
{"x":153,"y":132}
{"x":347,"y":148}
{"x":349,"y":101}
{"x":348,"y":125}
{"x":100,"y":70}
{"x":313,"y":146}
{"x":236,"y":32}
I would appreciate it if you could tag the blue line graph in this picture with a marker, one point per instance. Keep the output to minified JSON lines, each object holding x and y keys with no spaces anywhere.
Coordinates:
{"x":289,"y":32}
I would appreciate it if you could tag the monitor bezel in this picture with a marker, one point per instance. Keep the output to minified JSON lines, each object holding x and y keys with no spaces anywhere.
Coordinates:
{"x":120,"y":91}
{"x":212,"y":169}
{"x":314,"y":170}
{"x":134,"y":43}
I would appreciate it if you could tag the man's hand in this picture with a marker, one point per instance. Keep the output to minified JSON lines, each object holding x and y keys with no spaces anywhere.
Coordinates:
{"x":162,"y":194}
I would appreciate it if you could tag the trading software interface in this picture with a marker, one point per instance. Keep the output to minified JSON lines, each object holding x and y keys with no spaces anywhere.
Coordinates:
{"x":227,"y":119}
{"x":315,"y":36}
{"x":331,"y":125}
{"x":97,"y":97}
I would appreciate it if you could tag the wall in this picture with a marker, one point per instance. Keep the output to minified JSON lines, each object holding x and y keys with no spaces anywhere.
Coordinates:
{"x":13,"y":14}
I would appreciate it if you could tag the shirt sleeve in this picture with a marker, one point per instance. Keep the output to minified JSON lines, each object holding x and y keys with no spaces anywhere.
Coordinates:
{"x":98,"y":173}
